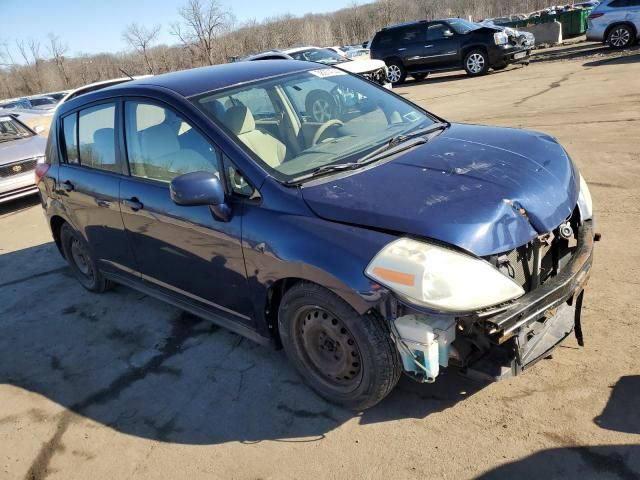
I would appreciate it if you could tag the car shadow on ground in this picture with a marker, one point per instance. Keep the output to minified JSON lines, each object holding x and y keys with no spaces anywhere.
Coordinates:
{"x":16,"y":206}
{"x":578,"y":461}
{"x":143,"y":368}
{"x":620,"y":60}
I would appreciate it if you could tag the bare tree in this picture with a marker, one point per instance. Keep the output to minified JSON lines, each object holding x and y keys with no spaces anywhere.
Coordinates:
{"x":140,"y":39}
{"x":57,"y":51}
{"x":202,"y":22}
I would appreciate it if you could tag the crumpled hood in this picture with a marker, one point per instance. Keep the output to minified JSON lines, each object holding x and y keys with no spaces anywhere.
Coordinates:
{"x":21,"y":149}
{"x":361,"y":66}
{"x":466,"y":187}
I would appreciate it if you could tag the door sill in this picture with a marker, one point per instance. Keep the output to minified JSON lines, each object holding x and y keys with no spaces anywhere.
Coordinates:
{"x":190,"y":307}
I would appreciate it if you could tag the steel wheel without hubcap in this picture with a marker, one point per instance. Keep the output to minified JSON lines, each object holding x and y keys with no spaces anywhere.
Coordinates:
{"x":329,"y":347}
{"x":394,"y":74}
{"x":81,"y":259}
{"x":321,"y":110}
{"x":620,"y":37}
{"x":475,"y":63}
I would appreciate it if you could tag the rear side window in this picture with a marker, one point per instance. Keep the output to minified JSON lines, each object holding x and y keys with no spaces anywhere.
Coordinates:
{"x":96,"y":137}
{"x":383,"y":40}
{"x":70,"y":130}
{"x":412,"y":35}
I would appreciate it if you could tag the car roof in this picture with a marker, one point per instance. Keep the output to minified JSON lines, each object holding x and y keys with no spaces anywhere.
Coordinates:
{"x":205,"y":79}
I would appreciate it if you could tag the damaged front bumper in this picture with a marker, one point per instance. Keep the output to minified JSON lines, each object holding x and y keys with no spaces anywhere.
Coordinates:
{"x":506,"y":340}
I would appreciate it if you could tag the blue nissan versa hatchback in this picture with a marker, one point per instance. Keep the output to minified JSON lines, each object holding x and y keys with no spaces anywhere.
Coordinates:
{"x":387,"y":240}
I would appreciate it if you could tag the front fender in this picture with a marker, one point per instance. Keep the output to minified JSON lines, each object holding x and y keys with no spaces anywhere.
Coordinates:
{"x":305,"y":247}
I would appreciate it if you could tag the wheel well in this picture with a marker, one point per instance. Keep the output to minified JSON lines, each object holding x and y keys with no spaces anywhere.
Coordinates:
{"x":466,"y":50}
{"x":274,"y":297}
{"x":617,"y":24}
{"x":56,"y":226}
{"x":388,"y":60}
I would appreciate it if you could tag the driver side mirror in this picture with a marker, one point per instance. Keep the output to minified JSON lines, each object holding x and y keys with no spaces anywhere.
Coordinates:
{"x":448,"y":33}
{"x":200,"y":188}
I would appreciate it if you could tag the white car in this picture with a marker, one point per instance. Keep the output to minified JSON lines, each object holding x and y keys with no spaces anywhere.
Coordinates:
{"x":373,"y":70}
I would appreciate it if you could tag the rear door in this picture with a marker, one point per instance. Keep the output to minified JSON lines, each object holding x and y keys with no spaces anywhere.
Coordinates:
{"x":184,"y":250}
{"x":442,"y":48}
{"x":410,"y":42}
{"x":89,"y":183}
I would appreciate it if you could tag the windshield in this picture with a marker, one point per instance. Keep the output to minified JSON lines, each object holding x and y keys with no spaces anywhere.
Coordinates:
{"x":11,"y":129}
{"x":463,"y":26}
{"x":319,"y":55}
{"x":304,"y":121}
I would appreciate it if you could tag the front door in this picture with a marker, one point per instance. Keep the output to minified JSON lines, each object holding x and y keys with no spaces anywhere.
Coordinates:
{"x":442,"y":48}
{"x":184,"y":250}
{"x":89,"y":178}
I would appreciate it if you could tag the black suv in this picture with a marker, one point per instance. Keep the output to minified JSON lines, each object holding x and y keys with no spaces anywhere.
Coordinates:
{"x":418,"y":48}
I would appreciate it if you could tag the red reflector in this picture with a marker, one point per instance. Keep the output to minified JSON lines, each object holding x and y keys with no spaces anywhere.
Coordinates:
{"x":41,"y":171}
{"x":595,"y":15}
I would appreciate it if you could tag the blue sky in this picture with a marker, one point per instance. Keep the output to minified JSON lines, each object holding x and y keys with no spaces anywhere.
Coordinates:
{"x":96,"y":26}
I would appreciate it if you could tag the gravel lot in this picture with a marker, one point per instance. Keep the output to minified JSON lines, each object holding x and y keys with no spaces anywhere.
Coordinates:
{"x":118,"y":385}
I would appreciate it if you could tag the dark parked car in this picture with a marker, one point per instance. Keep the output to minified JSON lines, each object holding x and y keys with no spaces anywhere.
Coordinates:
{"x":389,"y":241}
{"x":419,"y":48}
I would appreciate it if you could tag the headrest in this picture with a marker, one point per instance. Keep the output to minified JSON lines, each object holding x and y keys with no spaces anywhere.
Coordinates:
{"x":239,"y":120}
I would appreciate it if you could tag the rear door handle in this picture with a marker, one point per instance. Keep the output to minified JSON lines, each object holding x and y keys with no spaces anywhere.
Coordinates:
{"x":67,"y":186}
{"x":428,"y":46}
{"x":133,"y":203}
{"x":401,"y":49}
{"x":103,"y":203}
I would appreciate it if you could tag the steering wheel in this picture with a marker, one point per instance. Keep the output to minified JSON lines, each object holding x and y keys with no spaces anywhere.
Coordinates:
{"x":323,"y":128}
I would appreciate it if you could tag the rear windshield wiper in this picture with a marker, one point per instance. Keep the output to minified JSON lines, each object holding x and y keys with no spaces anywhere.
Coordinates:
{"x":395,"y":144}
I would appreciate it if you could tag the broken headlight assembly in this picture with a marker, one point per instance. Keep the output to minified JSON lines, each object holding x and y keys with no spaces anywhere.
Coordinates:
{"x":585,"y":204}
{"x":440,"y":278}
{"x":500,"y":38}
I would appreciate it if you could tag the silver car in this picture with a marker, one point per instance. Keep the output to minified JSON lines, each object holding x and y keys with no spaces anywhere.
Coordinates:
{"x":21,"y":150}
{"x":616,"y":22}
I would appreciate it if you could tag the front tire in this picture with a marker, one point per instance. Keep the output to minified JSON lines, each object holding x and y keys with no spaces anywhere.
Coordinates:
{"x":620,"y":36}
{"x":396,"y":73}
{"x":81,"y":260}
{"x":346,"y":358}
{"x":419,"y":76}
{"x":476,"y":63}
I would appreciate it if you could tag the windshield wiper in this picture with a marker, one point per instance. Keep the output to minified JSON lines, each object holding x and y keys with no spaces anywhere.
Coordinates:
{"x":395,"y":144}
{"x":316,"y":172}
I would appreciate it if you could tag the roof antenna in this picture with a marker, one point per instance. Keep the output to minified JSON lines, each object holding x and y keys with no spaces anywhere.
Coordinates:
{"x":122,"y":70}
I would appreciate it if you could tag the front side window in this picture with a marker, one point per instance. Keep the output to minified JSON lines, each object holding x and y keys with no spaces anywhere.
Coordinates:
{"x":326,"y":116}
{"x":462,"y":26}
{"x":161,"y":145}
{"x":437,"y":31}
{"x":96,"y":137}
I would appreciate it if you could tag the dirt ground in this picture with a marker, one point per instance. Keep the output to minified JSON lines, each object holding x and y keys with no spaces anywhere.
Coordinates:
{"x":119,"y":386}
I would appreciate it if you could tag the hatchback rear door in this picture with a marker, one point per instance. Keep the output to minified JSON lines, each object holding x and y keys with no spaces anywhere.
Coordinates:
{"x":184,"y":250}
{"x":89,"y":183}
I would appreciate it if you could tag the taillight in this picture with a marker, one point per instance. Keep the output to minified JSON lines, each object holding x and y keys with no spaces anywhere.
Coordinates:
{"x":41,"y":171}
{"x":593,"y":16}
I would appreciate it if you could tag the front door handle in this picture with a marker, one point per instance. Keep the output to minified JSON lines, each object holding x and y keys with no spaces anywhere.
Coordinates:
{"x":428,"y":46}
{"x":401,"y":49}
{"x":133,"y":203}
{"x":67,"y":186}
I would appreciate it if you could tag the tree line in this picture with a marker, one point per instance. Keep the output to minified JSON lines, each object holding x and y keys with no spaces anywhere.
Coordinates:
{"x":207,"y":33}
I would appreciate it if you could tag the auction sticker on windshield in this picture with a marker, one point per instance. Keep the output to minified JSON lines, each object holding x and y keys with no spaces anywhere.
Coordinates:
{"x":327,"y":72}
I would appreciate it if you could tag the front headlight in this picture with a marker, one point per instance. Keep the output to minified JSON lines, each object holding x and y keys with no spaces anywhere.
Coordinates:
{"x":440,"y":278}
{"x":500,"y":38}
{"x":585,"y":204}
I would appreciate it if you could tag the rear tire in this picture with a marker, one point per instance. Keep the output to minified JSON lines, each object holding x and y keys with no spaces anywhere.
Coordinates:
{"x":620,"y":36}
{"x":396,"y":73}
{"x":348,"y":359}
{"x":476,"y":62}
{"x":81,"y":260}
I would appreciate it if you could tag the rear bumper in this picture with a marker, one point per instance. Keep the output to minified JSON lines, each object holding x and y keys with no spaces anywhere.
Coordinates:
{"x":539,"y":321}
